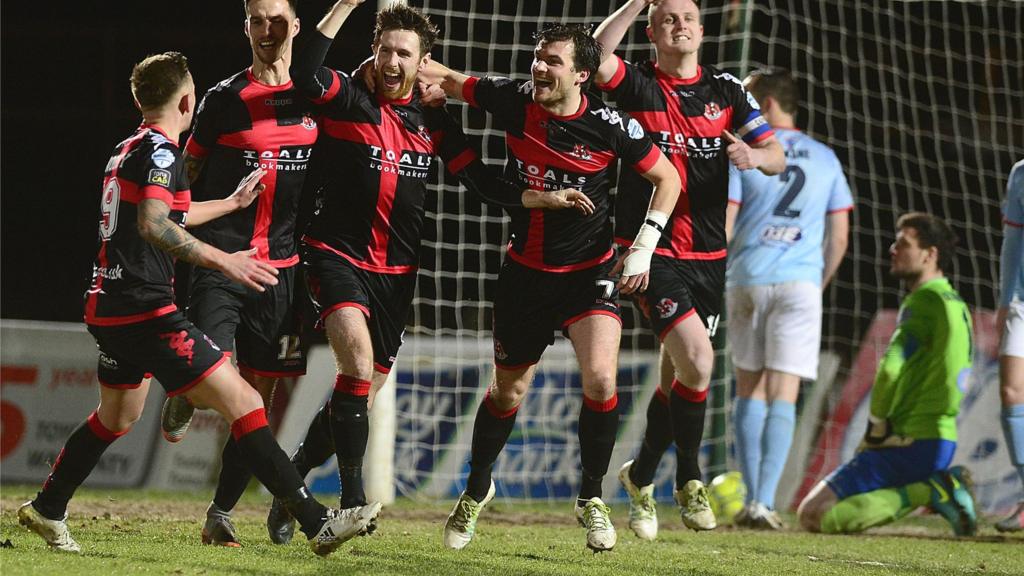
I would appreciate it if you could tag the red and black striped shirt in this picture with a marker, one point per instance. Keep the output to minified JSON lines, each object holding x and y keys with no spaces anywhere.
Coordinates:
{"x":132,"y":279}
{"x":685,"y":117}
{"x":378,"y":156}
{"x":547,"y":152}
{"x":242,"y":124}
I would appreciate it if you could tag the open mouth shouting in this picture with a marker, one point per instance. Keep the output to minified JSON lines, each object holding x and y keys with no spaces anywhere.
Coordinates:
{"x":542,"y":85}
{"x":392,"y":81}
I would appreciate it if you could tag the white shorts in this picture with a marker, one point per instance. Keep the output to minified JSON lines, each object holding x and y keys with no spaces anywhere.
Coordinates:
{"x":775,"y":326}
{"x":1013,"y":332}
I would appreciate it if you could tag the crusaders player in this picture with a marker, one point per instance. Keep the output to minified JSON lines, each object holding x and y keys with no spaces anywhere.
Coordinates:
{"x":130,"y":311}
{"x":559,"y":267}
{"x":691,"y":112}
{"x":362,"y":249}
{"x":255,"y":118}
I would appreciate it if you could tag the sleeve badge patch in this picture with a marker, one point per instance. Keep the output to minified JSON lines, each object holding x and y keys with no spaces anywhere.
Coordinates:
{"x":163,"y":158}
{"x":159,"y":177}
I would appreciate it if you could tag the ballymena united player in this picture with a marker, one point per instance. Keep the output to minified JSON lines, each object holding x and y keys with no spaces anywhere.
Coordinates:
{"x":1011,"y":322}
{"x":253,"y":118}
{"x":130,"y":311}
{"x":361,"y":252}
{"x":558,"y":272}
{"x":903,"y":461}
{"x":690,"y":111}
{"x":776,"y":272}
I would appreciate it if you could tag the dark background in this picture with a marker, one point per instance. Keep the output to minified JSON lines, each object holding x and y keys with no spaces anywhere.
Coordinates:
{"x":66,"y":103}
{"x":923,"y":103}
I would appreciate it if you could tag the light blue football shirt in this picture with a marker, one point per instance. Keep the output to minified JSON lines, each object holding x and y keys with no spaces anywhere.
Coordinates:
{"x":780,"y":228}
{"x":1012,"y":257}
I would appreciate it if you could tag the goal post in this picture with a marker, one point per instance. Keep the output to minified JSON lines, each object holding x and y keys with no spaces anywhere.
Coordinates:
{"x":922,"y":101}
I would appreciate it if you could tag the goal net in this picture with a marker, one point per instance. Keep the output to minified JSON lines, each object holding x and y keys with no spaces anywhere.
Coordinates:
{"x":921,"y":102}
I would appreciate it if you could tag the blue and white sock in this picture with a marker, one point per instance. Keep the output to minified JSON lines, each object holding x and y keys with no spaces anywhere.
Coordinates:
{"x":1013,"y":430}
{"x":778,"y":437}
{"x":749,"y":420}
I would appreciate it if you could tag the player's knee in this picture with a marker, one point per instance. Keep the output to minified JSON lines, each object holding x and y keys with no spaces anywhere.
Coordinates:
{"x":119,"y":416}
{"x":696,"y":374}
{"x":599,"y":385}
{"x":507,"y":395}
{"x":1011,"y":388}
{"x":244,"y":399}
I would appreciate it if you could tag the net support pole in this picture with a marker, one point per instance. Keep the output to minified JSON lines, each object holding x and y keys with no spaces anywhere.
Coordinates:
{"x":721,"y":377}
{"x":379,"y":462}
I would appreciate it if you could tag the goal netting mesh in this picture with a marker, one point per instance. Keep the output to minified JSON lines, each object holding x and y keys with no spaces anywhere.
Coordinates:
{"x":921,"y":101}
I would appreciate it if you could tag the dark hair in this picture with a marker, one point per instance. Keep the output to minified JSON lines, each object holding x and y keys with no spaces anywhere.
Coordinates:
{"x":777,"y":83}
{"x":402,"y":17}
{"x":291,"y":4}
{"x":586,"y":50}
{"x":159,"y":77}
{"x":931,"y":231}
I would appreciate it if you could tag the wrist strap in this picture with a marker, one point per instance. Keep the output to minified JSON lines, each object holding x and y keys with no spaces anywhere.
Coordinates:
{"x":656,"y":225}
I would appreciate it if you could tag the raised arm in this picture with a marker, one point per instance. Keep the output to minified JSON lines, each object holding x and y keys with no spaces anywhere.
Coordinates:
{"x":838,"y":236}
{"x":156,"y":227}
{"x":331,"y":23}
{"x":636,"y":264}
{"x":248,"y":189}
{"x":307,"y":72}
{"x":611,"y":32}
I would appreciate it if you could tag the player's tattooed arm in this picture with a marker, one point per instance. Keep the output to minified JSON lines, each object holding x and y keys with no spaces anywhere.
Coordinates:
{"x":156,"y":227}
{"x":193,"y":166}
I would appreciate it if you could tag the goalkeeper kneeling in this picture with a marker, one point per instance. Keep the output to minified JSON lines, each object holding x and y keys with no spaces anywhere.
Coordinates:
{"x":903,"y":462}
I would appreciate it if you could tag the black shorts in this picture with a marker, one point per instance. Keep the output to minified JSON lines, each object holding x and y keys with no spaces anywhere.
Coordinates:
{"x":385,"y":299}
{"x":263,"y":328}
{"x":168,"y":347}
{"x":680,"y":288}
{"x":529,"y":305}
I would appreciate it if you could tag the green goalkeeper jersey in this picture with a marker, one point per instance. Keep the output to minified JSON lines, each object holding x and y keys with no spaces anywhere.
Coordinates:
{"x":923,"y":374}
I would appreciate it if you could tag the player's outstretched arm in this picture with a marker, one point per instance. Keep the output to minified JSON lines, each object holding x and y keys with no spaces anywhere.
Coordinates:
{"x":156,"y":227}
{"x":248,"y":189}
{"x":558,"y":200}
{"x":636,"y":264}
{"x":611,"y":32}
{"x":766,"y":155}
{"x":838,"y":224}
{"x":449,"y":80}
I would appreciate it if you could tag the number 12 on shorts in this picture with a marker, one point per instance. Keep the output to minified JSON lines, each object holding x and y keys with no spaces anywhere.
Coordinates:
{"x":289,"y":347}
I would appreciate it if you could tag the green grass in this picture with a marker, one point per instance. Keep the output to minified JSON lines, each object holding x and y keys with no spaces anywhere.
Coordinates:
{"x":142,"y":532}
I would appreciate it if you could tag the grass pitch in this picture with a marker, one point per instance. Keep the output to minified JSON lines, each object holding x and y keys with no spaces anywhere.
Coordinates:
{"x":125,"y":532}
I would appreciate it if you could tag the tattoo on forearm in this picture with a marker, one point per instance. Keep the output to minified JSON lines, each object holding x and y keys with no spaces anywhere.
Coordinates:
{"x":158,"y":229}
{"x":193,"y":166}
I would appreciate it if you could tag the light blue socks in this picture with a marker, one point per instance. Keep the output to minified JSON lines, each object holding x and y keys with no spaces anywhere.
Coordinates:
{"x":1013,"y":430}
{"x":749,"y":419}
{"x":778,"y":437}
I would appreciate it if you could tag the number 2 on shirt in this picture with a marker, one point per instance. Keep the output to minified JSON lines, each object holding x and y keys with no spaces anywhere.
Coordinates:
{"x":795,"y":177}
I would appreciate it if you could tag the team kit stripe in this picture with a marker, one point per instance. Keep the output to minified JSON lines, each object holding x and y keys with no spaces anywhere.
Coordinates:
{"x":130,"y":193}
